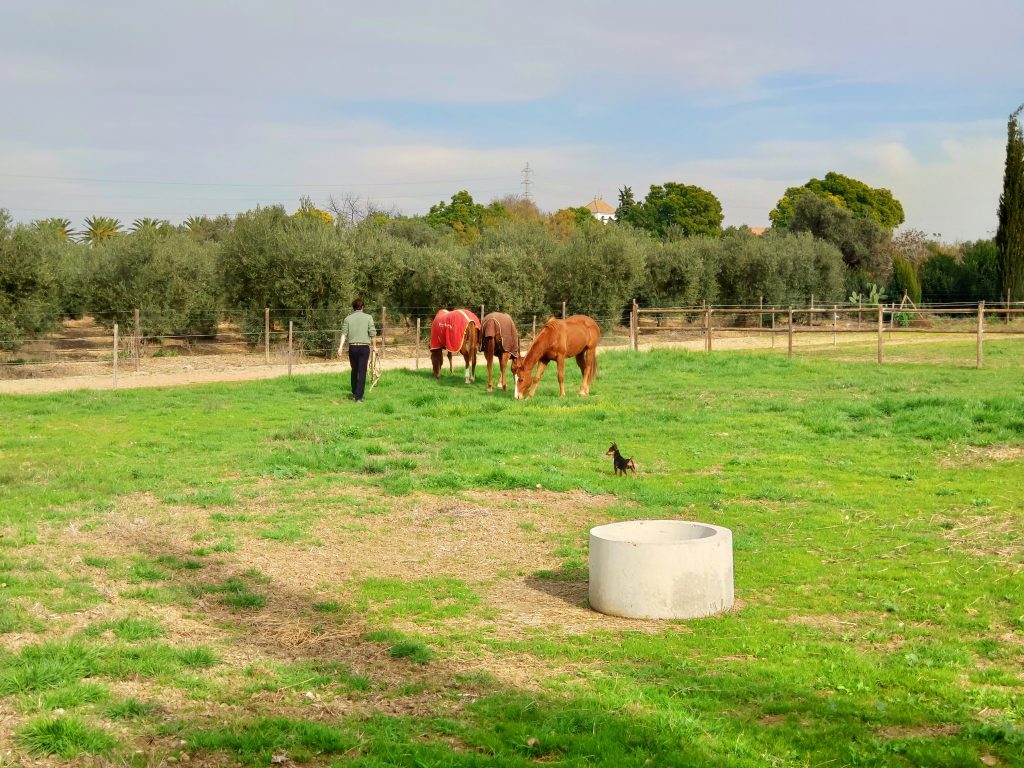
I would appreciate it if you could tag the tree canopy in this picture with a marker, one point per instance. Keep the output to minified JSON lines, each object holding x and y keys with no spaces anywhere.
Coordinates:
{"x":1010,"y":234}
{"x":463,"y":216}
{"x":858,"y":198}
{"x":672,"y":209}
{"x":861,"y":241}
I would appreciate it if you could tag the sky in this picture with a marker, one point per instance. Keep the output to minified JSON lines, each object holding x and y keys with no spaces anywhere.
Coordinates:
{"x":133,"y":109}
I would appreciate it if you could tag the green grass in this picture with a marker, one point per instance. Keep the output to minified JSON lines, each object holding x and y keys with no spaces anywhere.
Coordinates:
{"x":129,"y":709}
{"x":878,"y":537}
{"x":66,"y":737}
{"x":255,"y":743}
{"x":130,"y":629}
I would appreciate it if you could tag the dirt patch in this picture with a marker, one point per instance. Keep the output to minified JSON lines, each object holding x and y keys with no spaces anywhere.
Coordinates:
{"x":990,"y":536}
{"x":975,"y":457}
{"x":918,"y":731}
{"x":499,"y":545}
{"x":831,"y":622}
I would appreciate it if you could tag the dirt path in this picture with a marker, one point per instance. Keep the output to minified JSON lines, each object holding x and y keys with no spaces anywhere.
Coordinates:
{"x":208,"y":369}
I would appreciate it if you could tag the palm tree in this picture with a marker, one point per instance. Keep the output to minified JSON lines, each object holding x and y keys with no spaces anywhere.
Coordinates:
{"x":59,"y":227}
{"x":161,"y":226}
{"x":100,"y":228}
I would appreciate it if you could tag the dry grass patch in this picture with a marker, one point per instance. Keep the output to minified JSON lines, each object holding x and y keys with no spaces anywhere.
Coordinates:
{"x":988,"y":536}
{"x":499,"y":544}
{"x":969,"y":456}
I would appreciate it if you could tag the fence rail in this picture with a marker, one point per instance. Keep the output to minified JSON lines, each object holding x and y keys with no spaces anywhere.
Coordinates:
{"x":84,"y":344}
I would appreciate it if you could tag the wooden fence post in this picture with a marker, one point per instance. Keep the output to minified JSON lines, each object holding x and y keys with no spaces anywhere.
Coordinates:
{"x":481,"y":313}
{"x":773,"y":327}
{"x":290,"y":347}
{"x":635,"y":323}
{"x":417,"y":343}
{"x":707,"y":328}
{"x":760,"y":315}
{"x":835,"y":325}
{"x":138,"y":341}
{"x":790,"y":338}
{"x":534,"y":336}
{"x":563,"y":310}
{"x":860,"y":311}
{"x":981,"y":330}
{"x":266,"y":335}
{"x":383,"y":330}
{"x":115,"y":355}
{"x":881,"y":328}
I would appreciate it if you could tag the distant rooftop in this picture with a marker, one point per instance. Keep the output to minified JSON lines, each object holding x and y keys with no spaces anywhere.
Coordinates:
{"x":597,"y":205}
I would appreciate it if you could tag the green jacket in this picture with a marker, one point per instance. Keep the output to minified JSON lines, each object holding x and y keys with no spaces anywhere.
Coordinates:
{"x":359,"y":328}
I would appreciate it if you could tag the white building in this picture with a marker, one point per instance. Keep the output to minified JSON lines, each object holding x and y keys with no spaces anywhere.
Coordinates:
{"x":601,"y":210}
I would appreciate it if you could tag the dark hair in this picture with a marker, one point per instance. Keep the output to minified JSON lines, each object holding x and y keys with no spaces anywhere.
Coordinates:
{"x":357,"y":304}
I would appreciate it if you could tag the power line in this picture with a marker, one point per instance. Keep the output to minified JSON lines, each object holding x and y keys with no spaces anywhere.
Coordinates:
{"x":246,"y":184}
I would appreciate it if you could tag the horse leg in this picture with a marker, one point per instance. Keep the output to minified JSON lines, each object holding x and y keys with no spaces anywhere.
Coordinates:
{"x":540,"y":372}
{"x":581,"y":361}
{"x":502,"y":362}
{"x":450,"y":369}
{"x":561,"y":376}
{"x":489,"y":359}
{"x":465,"y":357}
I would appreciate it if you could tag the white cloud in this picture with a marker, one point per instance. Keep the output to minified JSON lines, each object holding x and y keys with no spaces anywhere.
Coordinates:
{"x":256,"y":93}
{"x":952,"y":190}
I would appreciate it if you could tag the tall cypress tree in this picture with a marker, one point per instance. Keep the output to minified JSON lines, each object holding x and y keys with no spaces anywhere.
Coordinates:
{"x":1010,"y":235}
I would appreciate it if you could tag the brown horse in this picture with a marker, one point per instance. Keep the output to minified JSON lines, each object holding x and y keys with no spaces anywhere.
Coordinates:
{"x":455,"y":331}
{"x":576,"y":336}
{"x":501,"y":340}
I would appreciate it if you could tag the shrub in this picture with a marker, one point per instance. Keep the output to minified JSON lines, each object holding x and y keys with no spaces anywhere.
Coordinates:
{"x":681,"y":272}
{"x":970,"y":276}
{"x":507,"y":268}
{"x":169,"y":277}
{"x":904,"y":279}
{"x":299,"y":267}
{"x":29,"y":304}
{"x":597,"y":270}
{"x":782,"y":268}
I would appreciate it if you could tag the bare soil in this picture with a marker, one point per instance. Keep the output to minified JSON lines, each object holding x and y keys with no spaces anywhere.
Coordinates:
{"x":81,"y":355}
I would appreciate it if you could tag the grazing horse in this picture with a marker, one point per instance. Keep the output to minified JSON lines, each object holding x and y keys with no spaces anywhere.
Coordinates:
{"x":455,"y":331}
{"x":576,"y":336}
{"x":501,"y":340}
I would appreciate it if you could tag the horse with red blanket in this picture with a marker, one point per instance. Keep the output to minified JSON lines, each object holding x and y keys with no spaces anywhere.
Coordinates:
{"x":455,"y":331}
{"x":576,"y":336}
{"x":500,"y":340}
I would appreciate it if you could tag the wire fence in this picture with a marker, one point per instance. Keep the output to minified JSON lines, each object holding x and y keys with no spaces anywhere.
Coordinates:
{"x":95,"y":345}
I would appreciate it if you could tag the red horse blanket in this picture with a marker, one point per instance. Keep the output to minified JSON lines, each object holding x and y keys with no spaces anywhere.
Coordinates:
{"x":449,"y":328}
{"x":504,"y":328}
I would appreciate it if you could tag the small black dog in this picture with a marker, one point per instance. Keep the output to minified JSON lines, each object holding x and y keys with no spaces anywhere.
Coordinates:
{"x":620,"y":464}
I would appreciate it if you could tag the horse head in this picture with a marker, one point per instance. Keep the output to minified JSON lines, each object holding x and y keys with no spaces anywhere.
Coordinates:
{"x":522,"y":376}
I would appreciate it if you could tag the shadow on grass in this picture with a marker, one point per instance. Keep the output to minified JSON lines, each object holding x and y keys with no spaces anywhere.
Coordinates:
{"x":568,"y":584}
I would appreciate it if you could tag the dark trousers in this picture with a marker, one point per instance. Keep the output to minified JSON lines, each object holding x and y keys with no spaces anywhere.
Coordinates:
{"x":358,"y":358}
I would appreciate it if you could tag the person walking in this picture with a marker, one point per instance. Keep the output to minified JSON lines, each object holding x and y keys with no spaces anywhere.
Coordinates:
{"x":361,"y":333}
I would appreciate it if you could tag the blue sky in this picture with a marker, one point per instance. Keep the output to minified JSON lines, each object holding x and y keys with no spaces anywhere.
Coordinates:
{"x":138,"y":109}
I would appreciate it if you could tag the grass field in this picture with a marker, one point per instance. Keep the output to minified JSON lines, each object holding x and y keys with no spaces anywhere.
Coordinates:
{"x":267,"y":571}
